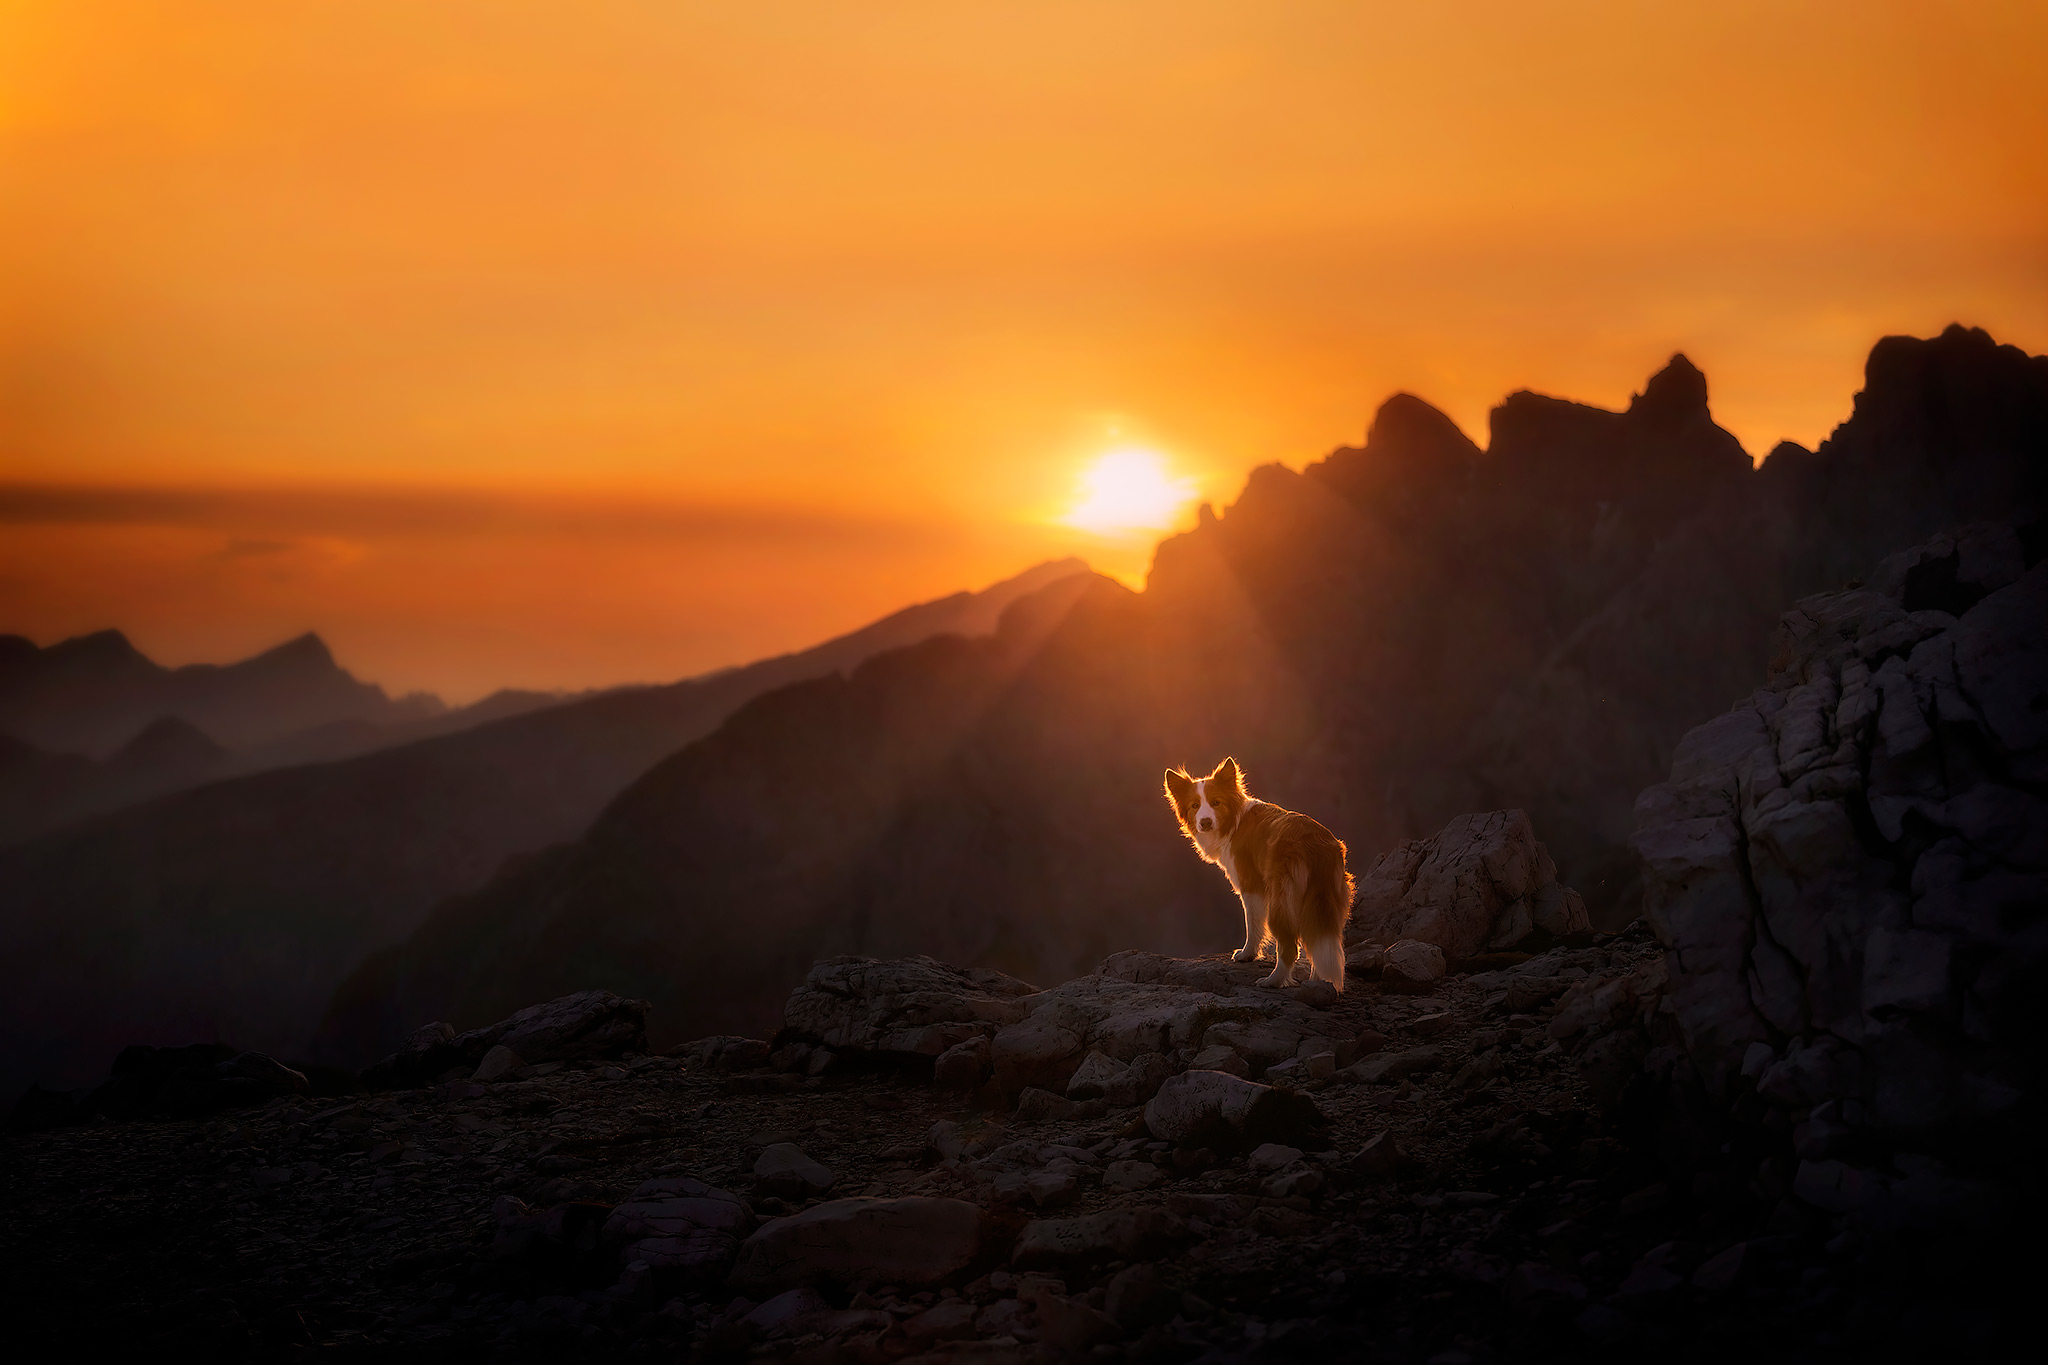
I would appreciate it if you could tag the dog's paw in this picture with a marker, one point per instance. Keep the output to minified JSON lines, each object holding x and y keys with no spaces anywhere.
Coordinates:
{"x":1276,"y":981}
{"x":1245,"y":955}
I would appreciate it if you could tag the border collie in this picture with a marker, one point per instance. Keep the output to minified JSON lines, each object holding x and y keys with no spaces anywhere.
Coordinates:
{"x":1286,"y":868}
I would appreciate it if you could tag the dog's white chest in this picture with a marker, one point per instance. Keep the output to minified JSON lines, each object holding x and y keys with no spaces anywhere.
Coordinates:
{"x":1227,"y":860}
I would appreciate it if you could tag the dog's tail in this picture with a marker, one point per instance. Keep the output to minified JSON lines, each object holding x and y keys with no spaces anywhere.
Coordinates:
{"x":1325,"y":905}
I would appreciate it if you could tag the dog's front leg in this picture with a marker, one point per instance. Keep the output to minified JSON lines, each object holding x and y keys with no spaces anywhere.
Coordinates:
{"x":1254,"y":928}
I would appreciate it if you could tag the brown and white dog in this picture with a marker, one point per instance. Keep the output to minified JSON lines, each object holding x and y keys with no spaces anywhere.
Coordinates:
{"x":1286,"y":869}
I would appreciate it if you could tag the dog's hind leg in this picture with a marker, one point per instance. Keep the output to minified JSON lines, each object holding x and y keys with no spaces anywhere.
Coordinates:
{"x":1254,"y":928}
{"x":1285,"y":949}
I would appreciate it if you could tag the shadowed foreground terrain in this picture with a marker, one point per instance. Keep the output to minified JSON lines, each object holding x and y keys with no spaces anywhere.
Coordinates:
{"x":1465,"y":1196}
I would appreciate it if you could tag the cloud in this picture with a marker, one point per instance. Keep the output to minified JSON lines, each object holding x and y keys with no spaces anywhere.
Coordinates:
{"x":264,"y":519}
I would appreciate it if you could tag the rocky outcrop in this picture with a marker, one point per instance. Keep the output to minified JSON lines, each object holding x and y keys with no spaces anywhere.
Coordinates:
{"x":1848,"y":871}
{"x":1482,"y":883}
{"x":1117,"y":1032}
{"x":586,"y":1024}
{"x":908,"y":1007}
{"x":915,"y":1241}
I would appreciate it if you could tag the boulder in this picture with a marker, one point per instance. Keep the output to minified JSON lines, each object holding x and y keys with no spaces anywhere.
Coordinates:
{"x":1139,"y":1297}
{"x":1036,"y":1052}
{"x":1221,"y":1057}
{"x":498,"y":1063}
{"x":1483,"y":882}
{"x":1393,"y":1066}
{"x":1216,"y":1109}
{"x":964,"y":1065}
{"x":1109,"y":1038}
{"x":728,"y":1052}
{"x":1095,"y":1076}
{"x":913,"y":1241}
{"x":1071,"y":1324}
{"x":674,"y":1205}
{"x":587,"y":1024}
{"x":1414,"y":961}
{"x":783,"y":1170}
{"x":913,"y":1007}
{"x":1114,"y":1234}
{"x":788,"y":1312}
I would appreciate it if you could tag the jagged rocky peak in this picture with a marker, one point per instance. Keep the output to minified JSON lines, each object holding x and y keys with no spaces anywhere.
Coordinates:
{"x":1412,"y":452}
{"x":1675,"y":394}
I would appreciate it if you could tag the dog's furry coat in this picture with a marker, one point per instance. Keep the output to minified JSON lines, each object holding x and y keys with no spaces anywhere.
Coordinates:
{"x":1287,"y":870}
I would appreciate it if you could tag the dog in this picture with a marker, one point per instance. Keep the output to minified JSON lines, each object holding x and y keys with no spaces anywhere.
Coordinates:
{"x":1287,"y":870}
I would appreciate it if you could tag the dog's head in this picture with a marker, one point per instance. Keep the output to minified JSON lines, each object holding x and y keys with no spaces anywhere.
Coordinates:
{"x":1208,"y":807}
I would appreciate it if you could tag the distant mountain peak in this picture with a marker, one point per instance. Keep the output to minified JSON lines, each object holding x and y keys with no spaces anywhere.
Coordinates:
{"x":307,"y":649}
{"x":1678,"y":392}
{"x":1407,"y":428}
{"x":169,"y":740}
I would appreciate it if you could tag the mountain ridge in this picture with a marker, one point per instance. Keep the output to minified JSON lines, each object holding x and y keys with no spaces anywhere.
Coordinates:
{"x":266,"y":889}
{"x":1386,"y":638}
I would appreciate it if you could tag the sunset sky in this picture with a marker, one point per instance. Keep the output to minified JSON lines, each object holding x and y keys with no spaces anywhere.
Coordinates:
{"x":560,"y":344}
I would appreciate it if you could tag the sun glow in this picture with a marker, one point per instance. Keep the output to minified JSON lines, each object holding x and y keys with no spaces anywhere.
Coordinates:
{"x":1131,"y":489}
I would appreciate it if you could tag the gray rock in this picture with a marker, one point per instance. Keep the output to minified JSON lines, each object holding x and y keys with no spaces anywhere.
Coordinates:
{"x":782,"y":1169}
{"x":915,"y":1006}
{"x":1138,"y":1297}
{"x":1273,"y":1156}
{"x":1122,"y":1233}
{"x":498,"y":1063}
{"x":1096,"y":1075}
{"x":1220,"y":1058}
{"x":1415,"y":961}
{"x":964,"y":1065}
{"x":1260,"y":1043}
{"x":947,"y":1320}
{"x":1131,"y":1175}
{"x":1214,"y":1108}
{"x":727,"y":1052}
{"x":1140,"y":1080}
{"x":913,"y":1241}
{"x":429,"y":1035}
{"x":1482,"y":882}
{"x":1051,"y":1189}
{"x":1071,"y":1325}
{"x":787,"y":1312}
{"x":586,"y":1024}
{"x":1389,"y":1067}
{"x":945,"y":1140}
{"x":1380,"y":1159}
{"x":1298,"y":1184}
{"x":1037,"y":1052}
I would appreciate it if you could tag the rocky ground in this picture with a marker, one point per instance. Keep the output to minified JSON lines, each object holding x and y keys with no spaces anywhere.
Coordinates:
{"x":1462,"y":1189}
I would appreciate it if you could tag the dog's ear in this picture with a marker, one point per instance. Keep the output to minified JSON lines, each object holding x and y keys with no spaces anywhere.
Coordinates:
{"x":1180,"y":788}
{"x":1230,"y":775}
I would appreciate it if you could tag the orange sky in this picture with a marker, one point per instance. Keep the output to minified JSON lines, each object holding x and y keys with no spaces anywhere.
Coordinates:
{"x":557,"y":344}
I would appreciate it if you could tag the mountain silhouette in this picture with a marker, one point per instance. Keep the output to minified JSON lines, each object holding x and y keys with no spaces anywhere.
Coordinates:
{"x":234,"y":909}
{"x":92,"y":694}
{"x":1401,"y":632}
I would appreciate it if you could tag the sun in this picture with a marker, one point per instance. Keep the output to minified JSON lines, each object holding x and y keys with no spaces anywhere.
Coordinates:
{"x":1130,"y":489}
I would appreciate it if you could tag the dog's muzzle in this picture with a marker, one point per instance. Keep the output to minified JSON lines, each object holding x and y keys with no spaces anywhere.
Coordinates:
{"x":1208,"y":825}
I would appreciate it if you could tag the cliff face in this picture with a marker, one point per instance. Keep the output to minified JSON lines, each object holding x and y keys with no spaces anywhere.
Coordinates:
{"x":1848,"y":871}
{"x":1402,"y":632}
